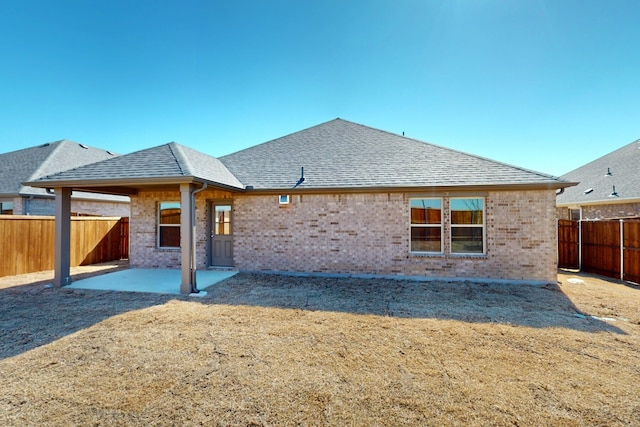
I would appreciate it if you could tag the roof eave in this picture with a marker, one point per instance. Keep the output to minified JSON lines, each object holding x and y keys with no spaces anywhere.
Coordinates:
{"x":9,"y":195}
{"x":414,"y":188}
{"x":608,"y":201}
{"x":127,"y":186}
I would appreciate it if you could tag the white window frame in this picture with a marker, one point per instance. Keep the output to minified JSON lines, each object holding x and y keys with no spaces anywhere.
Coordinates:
{"x":160,"y":225}
{"x":441,"y":226}
{"x":452,"y":226}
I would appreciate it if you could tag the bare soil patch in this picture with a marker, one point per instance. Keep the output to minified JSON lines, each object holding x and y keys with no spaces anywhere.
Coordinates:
{"x":275,"y":350}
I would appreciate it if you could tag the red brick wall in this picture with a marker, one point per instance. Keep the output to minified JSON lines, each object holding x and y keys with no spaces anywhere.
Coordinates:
{"x":144,"y":251}
{"x":604,"y":211}
{"x":621,"y":210}
{"x":360,"y":234}
{"x":369,"y":234}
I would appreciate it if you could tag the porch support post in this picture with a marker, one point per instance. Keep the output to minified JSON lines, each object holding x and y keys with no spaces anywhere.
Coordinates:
{"x":186,"y":238}
{"x":62,"y":248}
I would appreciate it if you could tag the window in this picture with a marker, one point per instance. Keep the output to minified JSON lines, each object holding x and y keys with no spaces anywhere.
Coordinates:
{"x":169,"y":225}
{"x":222,"y":226}
{"x":426,"y":225}
{"x":467,"y":225}
{"x":6,"y":208}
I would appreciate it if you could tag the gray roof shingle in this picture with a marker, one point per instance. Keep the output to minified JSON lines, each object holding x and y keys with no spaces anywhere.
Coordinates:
{"x":596,"y":186}
{"x":32,"y":163}
{"x":343,"y":154}
{"x":335,"y":155}
{"x":170,"y":160}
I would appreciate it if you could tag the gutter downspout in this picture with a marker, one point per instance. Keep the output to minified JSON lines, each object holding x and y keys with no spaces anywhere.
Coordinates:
{"x":192,"y":250}
{"x":27,"y":205}
{"x":558,"y":192}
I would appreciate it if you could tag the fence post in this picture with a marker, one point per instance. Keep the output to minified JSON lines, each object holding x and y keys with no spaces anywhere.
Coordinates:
{"x":622,"y":249}
{"x":557,"y":242}
{"x":580,"y":244}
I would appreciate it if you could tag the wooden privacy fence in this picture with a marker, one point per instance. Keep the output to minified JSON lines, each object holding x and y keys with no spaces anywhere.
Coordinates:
{"x":27,"y":242}
{"x":568,"y":244}
{"x":607,"y":247}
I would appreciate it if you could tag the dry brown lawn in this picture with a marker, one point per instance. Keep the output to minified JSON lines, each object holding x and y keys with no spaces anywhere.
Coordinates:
{"x":274,"y":350}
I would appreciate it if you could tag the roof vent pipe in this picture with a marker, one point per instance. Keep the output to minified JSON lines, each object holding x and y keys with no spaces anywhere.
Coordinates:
{"x":301,"y":180}
{"x":613,"y":192}
{"x":608,"y":173}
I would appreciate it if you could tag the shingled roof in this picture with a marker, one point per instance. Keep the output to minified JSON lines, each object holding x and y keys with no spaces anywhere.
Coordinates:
{"x":32,"y":163}
{"x":343,"y":154}
{"x":170,"y":162}
{"x":335,"y":155}
{"x":620,"y":168}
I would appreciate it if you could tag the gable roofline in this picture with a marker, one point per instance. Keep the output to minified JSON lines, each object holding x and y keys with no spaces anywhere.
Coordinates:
{"x":343,"y":154}
{"x":552,"y":177}
{"x":395,"y":135}
{"x":187,"y":161}
{"x":181,"y":160}
{"x":58,"y":145}
{"x":166,"y":164}
{"x":49,"y":163}
{"x":603,"y":157}
{"x":597,"y":178}
{"x":338,"y":156}
{"x":28,"y":164}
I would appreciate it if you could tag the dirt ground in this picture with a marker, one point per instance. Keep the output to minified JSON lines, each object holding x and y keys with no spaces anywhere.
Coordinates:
{"x":275,"y":350}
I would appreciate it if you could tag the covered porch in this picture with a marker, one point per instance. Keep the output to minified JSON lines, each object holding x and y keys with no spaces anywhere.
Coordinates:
{"x":170,"y":168}
{"x":185,"y":275}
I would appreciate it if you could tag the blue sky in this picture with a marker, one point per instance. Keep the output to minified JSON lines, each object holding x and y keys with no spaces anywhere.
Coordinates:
{"x":544,"y":84}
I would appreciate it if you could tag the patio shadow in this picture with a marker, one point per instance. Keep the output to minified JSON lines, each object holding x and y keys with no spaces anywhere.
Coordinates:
{"x":34,"y":314}
{"x":525,"y":305}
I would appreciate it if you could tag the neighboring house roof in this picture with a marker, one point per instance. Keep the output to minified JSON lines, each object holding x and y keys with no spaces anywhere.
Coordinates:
{"x":165,"y":163}
{"x":596,"y":186}
{"x":32,"y":163}
{"x":335,"y":155}
{"x":343,"y":154}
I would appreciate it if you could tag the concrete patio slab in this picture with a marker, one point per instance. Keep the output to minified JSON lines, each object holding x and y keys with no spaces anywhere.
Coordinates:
{"x":164,"y":281}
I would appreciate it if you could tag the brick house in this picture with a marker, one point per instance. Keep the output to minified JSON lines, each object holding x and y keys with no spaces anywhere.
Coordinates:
{"x":338,"y":198}
{"x":35,"y":162}
{"x":609,"y":187}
